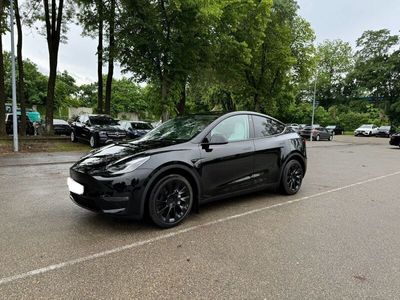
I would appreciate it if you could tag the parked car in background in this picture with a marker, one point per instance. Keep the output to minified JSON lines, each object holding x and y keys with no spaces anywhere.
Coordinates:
{"x":96,"y":129}
{"x":61,"y":127}
{"x":135,"y":129}
{"x":335,"y":129}
{"x":9,"y":124}
{"x":366,"y":130}
{"x":33,"y":115}
{"x":318,"y":133}
{"x":188,"y":161}
{"x":385,"y":131}
{"x":395,"y":139}
{"x":295,"y":127}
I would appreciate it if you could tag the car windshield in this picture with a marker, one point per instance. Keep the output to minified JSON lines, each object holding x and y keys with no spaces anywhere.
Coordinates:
{"x":180,"y":129}
{"x":102,"y":120}
{"x":141,"y":126}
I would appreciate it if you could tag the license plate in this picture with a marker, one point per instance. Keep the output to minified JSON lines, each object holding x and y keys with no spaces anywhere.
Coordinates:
{"x":75,"y":187}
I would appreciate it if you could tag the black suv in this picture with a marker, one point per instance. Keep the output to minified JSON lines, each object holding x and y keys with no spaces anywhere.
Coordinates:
{"x":96,"y":129}
{"x":30,"y":130}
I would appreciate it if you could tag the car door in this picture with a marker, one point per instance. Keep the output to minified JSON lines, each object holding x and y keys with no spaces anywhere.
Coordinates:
{"x":86,"y":128}
{"x":268,"y":144}
{"x":76,"y":127}
{"x":324,"y":134}
{"x":228,"y":168}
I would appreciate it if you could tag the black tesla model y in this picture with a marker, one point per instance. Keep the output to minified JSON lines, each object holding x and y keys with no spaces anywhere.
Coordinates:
{"x":188,"y":161}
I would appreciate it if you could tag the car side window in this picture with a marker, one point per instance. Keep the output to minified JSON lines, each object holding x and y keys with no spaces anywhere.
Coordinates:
{"x":234,"y":129}
{"x":265,"y":127}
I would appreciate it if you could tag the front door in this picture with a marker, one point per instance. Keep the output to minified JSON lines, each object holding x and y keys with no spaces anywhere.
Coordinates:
{"x":228,"y":168}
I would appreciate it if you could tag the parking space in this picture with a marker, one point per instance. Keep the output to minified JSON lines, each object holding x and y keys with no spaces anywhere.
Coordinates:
{"x":337,"y":238}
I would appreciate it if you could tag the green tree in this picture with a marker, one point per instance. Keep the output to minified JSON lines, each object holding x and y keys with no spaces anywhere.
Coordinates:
{"x":267,"y":50}
{"x":164,"y":41}
{"x":54,"y":14}
{"x":377,"y":71}
{"x":92,"y":17}
{"x":335,"y":62}
{"x":65,"y":89}
{"x":35,"y":83}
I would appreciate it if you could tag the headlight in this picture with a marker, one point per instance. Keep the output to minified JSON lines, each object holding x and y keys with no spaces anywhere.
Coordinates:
{"x":121,"y":167}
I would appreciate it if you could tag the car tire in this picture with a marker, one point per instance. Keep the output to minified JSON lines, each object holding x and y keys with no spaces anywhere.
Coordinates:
{"x":93,"y":141}
{"x":370,"y":133}
{"x":318,"y":138}
{"x":330,"y":138}
{"x":73,"y":137}
{"x":292,"y":177}
{"x":170,"y":201}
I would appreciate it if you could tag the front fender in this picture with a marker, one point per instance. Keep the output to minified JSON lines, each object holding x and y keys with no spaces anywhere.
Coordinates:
{"x":164,"y":169}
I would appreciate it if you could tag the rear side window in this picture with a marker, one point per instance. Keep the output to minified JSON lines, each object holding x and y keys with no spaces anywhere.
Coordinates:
{"x":264,"y":127}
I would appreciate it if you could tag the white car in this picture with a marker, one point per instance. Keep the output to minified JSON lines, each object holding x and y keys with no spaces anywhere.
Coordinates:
{"x":366,"y":130}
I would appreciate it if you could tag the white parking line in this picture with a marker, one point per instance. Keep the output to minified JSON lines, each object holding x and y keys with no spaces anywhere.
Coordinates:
{"x":61,"y":265}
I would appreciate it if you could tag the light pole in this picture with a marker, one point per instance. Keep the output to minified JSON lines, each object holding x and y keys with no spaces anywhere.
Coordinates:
{"x":313,"y":106}
{"x":14,"y":89}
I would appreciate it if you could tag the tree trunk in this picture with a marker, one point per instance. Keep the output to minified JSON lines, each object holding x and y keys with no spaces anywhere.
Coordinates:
{"x":53,"y":34}
{"x":257,"y":102}
{"x":20,"y":86}
{"x":164,"y":104}
{"x":100,"y":60}
{"x":182,"y":100}
{"x":2,"y":87}
{"x":53,"y":54}
{"x":111,"y":51}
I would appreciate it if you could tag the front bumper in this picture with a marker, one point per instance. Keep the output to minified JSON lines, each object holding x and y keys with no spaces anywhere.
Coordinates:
{"x":361,"y":133}
{"x":108,"y":140}
{"x":120,"y":196}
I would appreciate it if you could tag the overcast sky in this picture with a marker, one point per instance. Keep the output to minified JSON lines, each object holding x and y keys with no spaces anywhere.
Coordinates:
{"x":339,"y":19}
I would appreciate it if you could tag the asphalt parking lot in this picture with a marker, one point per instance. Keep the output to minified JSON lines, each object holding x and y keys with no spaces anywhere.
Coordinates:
{"x":337,"y":239}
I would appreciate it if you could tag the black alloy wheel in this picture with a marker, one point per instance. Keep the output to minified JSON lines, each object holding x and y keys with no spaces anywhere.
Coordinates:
{"x":170,"y":201}
{"x":292,"y":177}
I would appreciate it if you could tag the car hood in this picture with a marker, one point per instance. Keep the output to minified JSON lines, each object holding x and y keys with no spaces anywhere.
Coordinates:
{"x":363,"y":129}
{"x":98,"y":160}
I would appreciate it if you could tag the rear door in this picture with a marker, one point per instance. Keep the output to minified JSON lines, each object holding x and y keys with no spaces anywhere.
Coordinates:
{"x":323,"y":133}
{"x":268,"y":144}
{"x":228,"y":168}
